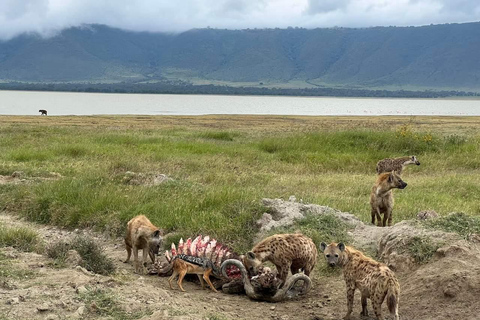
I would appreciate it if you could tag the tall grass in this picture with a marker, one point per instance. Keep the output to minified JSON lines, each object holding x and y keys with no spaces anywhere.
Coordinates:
{"x":220,"y":176}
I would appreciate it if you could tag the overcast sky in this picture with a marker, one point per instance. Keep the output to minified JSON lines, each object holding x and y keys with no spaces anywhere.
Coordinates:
{"x":49,"y":16}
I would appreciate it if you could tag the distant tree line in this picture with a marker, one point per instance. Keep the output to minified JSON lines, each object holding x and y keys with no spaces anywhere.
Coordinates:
{"x":179,"y":87}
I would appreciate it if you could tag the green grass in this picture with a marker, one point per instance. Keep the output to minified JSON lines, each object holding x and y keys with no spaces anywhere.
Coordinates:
{"x":221,"y":171}
{"x":10,"y":270}
{"x":422,"y":249}
{"x":457,"y":222}
{"x":21,"y":238}
{"x":106,"y":304}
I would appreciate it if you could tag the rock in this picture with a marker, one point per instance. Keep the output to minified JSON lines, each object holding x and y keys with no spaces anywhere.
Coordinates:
{"x":18,"y":174}
{"x":13,"y":301}
{"x":81,"y":310}
{"x":84,"y":271}
{"x":160,"y":178}
{"x":81,"y":290}
{"x":474,"y":237}
{"x":43,"y":308}
{"x":272,"y":308}
{"x":51,"y":317}
{"x":427,"y":214}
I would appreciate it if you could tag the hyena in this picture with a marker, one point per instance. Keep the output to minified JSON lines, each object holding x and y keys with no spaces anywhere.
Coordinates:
{"x":381,"y":198}
{"x":286,"y":251}
{"x":374,"y":279}
{"x":142,"y":234}
{"x":396,"y":164}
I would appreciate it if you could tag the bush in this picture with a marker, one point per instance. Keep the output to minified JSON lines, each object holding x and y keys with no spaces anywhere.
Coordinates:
{"x":22,"y":238}
{"x":93,"y":257}
{"x":422,"y":248}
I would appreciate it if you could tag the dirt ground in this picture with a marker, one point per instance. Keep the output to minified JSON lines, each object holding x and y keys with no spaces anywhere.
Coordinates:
{"x":446,"y":288}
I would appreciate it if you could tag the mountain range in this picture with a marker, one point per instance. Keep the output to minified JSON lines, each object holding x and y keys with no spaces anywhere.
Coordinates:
{"x":427,"y":57}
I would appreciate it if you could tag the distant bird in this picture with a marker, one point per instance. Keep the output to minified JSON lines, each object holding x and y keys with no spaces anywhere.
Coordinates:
{"x":42,"y":112}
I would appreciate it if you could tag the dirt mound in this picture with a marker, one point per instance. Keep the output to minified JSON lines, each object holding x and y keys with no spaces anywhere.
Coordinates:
{"x":18,"y":177}
{"x":145,"y":179}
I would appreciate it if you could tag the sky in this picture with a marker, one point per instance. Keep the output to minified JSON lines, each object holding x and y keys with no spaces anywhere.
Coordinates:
{"x":48,"y":17}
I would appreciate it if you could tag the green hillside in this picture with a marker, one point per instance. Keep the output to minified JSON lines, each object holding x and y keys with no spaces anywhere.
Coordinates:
{"x":436,"y":57}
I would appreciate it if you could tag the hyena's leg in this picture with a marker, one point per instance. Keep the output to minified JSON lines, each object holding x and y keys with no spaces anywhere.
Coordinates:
{"x":135,"y":259}
{"x":144,"y":260}
{"x":350,"y":296}
{"x":364,"y":306}
{"x":377,"y":301}
{"x":129,"y":252}
{"x":201,"y":280}
{"x":152,"y":256}
{"x":206,"y":276}
{"x":379,"y":217}
{"x":283,"y":271}
{"x":387,"y":216}
{"x":378,"y":310}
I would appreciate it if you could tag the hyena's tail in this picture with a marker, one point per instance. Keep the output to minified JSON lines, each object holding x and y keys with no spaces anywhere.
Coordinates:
{"x":393,"y":296}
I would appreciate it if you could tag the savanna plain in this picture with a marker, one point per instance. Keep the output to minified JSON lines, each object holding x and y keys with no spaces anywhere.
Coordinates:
{"x":76,"y":173}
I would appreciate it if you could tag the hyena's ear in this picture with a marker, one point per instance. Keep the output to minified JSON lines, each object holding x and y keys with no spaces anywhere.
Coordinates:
{"x":156,"y":234}
{"x":250,"y":255}
{"x":341,"y":246}
{"x":323,"y":246}
{"x":390,"y":176}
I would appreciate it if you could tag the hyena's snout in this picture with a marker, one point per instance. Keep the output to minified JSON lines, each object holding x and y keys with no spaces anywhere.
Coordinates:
{"x":332,"y":264}
{"x":417,"y":163}
{"x":403,"y":185}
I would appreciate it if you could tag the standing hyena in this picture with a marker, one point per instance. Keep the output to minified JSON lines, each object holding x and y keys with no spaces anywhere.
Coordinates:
{"x":286,"y":251}
{"x":374,"y":279}
{"x":142,"y":234}
{"x":381,"y":198}
{"x":395,"y":164}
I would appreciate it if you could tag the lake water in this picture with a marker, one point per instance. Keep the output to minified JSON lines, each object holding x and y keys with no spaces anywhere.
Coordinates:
{"x":68,"y":103}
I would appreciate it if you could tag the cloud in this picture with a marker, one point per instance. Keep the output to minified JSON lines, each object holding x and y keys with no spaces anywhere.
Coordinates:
{"x":323,"y":6}
{"x":49,"y":16}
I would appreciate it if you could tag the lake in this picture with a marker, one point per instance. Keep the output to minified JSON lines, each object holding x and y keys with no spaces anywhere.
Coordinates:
{"x":73,"y":103}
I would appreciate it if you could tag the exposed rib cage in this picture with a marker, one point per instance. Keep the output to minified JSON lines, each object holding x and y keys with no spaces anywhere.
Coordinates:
{"x":207,"y":249}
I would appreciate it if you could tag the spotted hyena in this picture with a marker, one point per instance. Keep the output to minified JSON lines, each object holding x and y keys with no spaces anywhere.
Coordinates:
{"x":381,"y":198}
{"x":396,"y":164}
{"x":373,"y":279}
{"x":142,"y":234}
{"x":293,"y":252}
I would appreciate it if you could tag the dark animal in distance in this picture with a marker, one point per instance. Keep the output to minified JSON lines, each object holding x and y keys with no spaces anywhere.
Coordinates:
{"x":43,"y":112}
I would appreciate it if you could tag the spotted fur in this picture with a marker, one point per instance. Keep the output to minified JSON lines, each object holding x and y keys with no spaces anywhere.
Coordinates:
{"x":373,"y":279}
{"x":381,"y":198}
{"x":395,"y":164}
{"x":293,"y":252}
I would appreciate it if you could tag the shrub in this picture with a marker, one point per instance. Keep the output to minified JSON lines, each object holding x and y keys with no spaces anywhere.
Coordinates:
{"x":93,"y":256}
{"x":422,"y":248}
{"x":22,"y":238}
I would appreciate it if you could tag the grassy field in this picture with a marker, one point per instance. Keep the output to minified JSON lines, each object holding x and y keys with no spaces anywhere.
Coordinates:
{"x":222,"y":166}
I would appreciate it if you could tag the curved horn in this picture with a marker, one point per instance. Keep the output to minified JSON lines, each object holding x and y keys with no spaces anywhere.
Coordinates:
{"x":286,"y":291}
{"x":246,"y":281}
